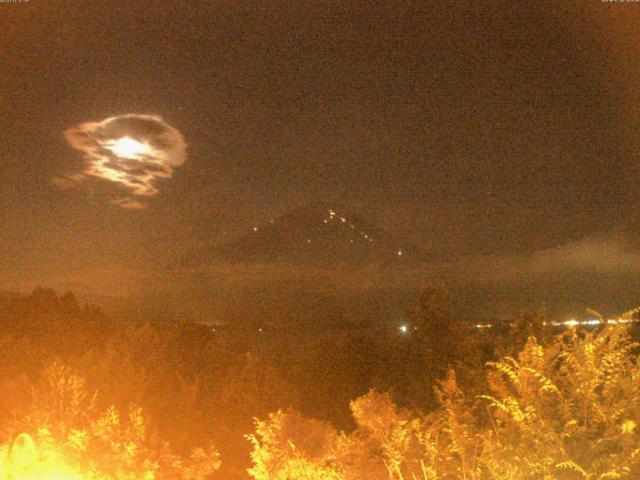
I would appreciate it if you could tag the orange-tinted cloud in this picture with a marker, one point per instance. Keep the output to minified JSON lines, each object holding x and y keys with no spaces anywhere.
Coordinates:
{"x":133,"y":150}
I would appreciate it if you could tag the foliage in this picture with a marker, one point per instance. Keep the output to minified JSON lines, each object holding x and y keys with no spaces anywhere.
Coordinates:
{"x":64,"y":434}
{"x":569,"y":410}
{"x":289,"y":447}
{"x":560,"y":408}
{"x":194,"y":386}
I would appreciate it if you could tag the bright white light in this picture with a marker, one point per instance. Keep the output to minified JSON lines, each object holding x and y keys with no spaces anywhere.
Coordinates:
{"x":127,"y":147}
{"x":399,"y":253}
{"x":255,"y":229}
{"x":403,"y":329}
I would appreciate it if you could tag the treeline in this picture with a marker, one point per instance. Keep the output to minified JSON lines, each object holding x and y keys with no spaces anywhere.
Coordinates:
{"x":193,"y":387}
{"x":436,"y":400}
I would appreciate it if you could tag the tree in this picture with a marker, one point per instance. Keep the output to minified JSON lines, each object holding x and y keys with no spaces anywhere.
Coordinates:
{"x":568,"y":410}
{"x":438,"y":331}
{"x":62,"y":434}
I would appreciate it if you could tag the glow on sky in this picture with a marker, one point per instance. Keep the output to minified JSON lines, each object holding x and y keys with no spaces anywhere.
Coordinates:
{"x":133,"y":150}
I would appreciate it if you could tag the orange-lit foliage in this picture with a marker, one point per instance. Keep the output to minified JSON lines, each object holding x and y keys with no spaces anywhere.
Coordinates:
{"x":194,"y":387}
{"x":566,"y":411}
{"x":63,"y":435}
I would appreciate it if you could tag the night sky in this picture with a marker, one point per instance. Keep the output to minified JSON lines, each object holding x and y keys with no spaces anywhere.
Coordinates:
{"x":467,"y":127}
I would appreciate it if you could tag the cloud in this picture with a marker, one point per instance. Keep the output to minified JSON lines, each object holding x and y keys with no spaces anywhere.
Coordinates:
{"x":600,"y":254}
{"x":129,"y":203}
{"x":606,"y":253}
{"x":134,"y":151}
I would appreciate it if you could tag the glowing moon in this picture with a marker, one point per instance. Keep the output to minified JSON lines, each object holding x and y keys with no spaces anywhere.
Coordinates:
{"x":134,"y":151}
{"x":127,"y":147}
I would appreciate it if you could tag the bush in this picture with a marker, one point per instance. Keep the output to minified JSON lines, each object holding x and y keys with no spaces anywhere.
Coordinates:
{"x":63,"y":435}
{"x":569,"y":410}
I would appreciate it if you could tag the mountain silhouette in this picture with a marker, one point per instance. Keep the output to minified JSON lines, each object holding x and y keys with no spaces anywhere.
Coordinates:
{"x":314,"y":234}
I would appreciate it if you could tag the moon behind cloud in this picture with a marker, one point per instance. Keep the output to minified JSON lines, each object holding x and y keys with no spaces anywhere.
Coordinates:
{"x":132,"y":150}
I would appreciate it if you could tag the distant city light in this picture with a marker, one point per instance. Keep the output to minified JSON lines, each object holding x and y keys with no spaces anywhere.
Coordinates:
{"x":593,"y":321}
{"x":590,"y":322}
{"x":399,"y":253}
{"x":483,"y":325}
{"x":255,"y":229}
{"x":403,"y":328}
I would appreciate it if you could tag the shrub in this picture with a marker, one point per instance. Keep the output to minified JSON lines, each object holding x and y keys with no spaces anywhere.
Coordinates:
{"x":569,"y":410}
